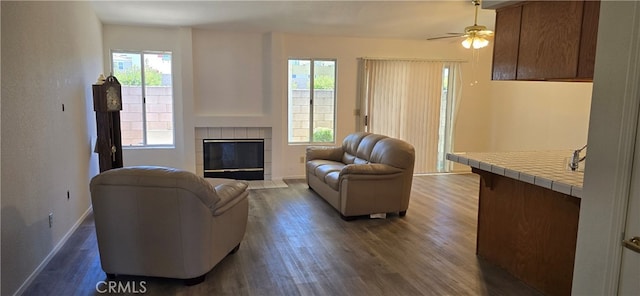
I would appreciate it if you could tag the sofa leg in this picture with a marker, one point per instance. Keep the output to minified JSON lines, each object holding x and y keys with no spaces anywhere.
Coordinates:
{"x":402,"y":213}
{"x":235,"y":250}
{"x":194,"y":281}
{"x":348,"y":218}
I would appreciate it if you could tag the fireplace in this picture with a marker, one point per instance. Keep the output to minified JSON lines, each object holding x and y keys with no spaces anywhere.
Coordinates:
{"x":241,"y":159}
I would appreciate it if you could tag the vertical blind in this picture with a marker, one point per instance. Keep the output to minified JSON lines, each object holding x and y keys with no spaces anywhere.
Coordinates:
{"x":402,"y":99}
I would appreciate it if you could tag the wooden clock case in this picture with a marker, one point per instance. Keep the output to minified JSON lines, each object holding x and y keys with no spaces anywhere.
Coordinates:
{"x":109,"y":142}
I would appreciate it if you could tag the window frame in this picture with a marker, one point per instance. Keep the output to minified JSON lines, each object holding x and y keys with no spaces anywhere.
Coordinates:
{"x":312,"y":99}
{"x":143,"y":85}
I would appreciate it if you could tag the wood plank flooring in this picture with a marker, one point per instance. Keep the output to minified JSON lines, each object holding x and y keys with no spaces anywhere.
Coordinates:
{"x":296,"y":244}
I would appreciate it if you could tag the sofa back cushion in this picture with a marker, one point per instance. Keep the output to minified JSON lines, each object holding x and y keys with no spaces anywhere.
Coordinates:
{"x":158,"y":177}
{"x":394,"y":152}
{"x":365,"y":147}
{"x":350,"y":147}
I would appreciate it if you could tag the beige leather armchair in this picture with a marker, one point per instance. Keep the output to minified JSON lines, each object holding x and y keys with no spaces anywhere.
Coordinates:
{"x":165,"y":222}
{"x":368,"y":174}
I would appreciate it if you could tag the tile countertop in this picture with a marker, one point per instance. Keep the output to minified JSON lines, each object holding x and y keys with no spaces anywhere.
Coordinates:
{"x":542,"y":168}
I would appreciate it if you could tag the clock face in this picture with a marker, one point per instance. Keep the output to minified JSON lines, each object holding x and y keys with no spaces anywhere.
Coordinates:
{"x":113,"y":99}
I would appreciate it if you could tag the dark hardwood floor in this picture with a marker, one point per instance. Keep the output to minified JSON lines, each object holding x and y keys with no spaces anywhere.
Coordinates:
{"x":296,"y":244}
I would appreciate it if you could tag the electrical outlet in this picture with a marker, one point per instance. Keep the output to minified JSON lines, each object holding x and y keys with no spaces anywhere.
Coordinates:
{"x":50,"y":220}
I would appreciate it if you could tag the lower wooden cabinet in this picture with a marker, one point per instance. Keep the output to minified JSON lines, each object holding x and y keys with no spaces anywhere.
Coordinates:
{"x":528,"y":230}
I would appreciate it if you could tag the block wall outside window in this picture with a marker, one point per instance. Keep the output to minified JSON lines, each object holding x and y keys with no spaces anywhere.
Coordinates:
{"x":159,"y":114}
{"x":323,"y":112}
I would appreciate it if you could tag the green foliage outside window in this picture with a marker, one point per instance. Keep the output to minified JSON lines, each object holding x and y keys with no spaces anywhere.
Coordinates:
{"x":323,"y":82}
{"x":322,"y":135}
{"x":132,"y":76}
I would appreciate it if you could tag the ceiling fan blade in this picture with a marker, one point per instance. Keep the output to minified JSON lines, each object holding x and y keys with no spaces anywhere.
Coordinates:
{"x":473,"y":31}
{"x":457,"y":35}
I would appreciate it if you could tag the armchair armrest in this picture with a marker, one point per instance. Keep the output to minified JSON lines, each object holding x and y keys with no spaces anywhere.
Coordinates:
{"x":230,"y":194}
{"x":324,"y":152}
{"x":370,"y":169}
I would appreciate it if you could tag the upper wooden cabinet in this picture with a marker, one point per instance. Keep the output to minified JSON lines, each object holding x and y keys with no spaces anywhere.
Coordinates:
{"x":546,"y":40}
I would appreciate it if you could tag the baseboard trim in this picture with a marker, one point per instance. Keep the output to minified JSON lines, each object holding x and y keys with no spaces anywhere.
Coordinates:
{"x":445,"y":173}
{"x":53,"y":252}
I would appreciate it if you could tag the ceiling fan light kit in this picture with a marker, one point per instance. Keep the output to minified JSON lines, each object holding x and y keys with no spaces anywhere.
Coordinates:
{"x":475,"y":42}
{"x":476,"y":35}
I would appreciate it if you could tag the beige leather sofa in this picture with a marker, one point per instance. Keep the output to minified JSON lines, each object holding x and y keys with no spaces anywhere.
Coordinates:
{"x":165,"y":222}
{"x":368,"y":174}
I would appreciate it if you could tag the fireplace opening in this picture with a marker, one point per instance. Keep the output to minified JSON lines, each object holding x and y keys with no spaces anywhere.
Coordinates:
{"x":241,"y":159}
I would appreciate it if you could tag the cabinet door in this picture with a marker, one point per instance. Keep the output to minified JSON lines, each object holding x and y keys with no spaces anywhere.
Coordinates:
{"x":588,"y":40}
{"x":505,"y":49}
{"x":549,"y":40}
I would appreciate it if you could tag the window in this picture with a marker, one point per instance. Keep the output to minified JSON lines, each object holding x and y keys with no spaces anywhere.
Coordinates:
{"x":311,"y":117}
{"x":445,"y":130}
{"x":147,"y":97}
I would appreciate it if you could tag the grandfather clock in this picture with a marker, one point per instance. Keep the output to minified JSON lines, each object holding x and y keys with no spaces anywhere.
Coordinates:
{"x":107,"y":102}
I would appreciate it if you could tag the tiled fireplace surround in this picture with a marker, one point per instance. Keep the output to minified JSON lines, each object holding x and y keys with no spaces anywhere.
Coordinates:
{"x":233,"y":133}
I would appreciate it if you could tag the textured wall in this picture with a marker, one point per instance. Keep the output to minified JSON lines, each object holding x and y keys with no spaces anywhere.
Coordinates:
{"x":239,"y":80}
{"x":472,"y":125}
{"x":51,"y":54}
{"x":538,"y":115}
{"x":178,"y":41}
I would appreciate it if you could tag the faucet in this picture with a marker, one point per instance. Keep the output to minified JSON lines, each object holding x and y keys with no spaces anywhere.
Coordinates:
{"x":576,"y":159}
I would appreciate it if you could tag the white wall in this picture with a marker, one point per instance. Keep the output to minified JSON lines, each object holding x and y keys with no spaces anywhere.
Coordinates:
{"x":538,"y":115}
{"x":348,"y":50}
{"x":239,"y":80}
{"x":493,"y":116}
{"x":229,"y":72}
{"x":524,"y":116}
{"x":179,"y":42}
{"x":51,"y":55}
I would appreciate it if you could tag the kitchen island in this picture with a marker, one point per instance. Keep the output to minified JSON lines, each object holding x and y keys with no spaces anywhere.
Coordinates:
{"x":528,"y":211}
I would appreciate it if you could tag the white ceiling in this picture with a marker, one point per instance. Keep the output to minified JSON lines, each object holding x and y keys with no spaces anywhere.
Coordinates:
{"x":376,"y":19}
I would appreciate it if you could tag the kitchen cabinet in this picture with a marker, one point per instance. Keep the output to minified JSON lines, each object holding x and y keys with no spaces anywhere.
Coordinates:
{"x":507,"y":41}
{"x":546,"y":40}
{"x":528,"y":230}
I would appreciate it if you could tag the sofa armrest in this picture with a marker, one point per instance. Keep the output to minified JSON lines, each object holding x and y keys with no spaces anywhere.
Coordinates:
{"x":370,"y":169}
{"x":324,"y":152}
{"x":230,"y":194}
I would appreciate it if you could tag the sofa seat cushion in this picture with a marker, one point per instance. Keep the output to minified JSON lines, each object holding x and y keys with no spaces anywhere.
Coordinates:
{"x":313,"y":164}
{"x":326,"y":170}
{"x":333,"y":180}
{"x":323,"y":170}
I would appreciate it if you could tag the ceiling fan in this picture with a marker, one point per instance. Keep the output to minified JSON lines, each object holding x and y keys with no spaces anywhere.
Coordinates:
{"x":476,"y":35}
